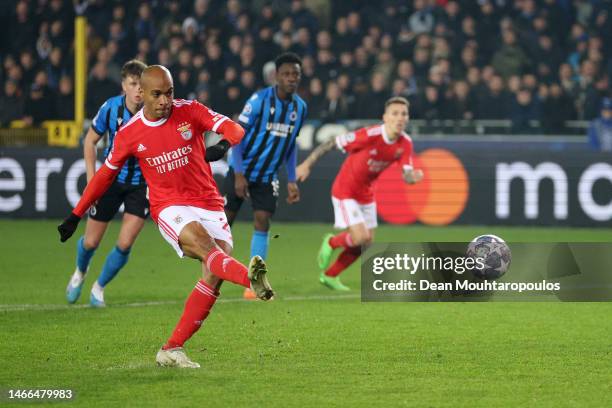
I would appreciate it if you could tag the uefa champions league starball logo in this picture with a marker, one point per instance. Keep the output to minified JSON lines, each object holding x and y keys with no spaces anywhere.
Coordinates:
{"x":496,"y":254}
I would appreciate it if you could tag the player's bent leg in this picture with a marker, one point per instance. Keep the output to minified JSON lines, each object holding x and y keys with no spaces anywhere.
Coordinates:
{"x":196,"y":242}
{"x":259,"y":242}
{"x":360,"y":234}
{"x":86,"y":247}
{"x":117,"y":258}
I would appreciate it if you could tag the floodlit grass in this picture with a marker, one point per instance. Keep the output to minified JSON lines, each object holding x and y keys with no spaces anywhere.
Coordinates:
{"x":309,"y":347}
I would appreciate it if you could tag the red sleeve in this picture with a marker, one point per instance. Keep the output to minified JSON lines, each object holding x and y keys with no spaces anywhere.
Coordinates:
{"x":98,"y":185}
{"x":218,"y":123}
{"x":231,"y":131}
{"x":353,"y":141}
{"x":406,"y":158}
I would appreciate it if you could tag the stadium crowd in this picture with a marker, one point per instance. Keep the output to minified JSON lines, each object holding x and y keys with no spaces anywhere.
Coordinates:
{"x":523,"y":60}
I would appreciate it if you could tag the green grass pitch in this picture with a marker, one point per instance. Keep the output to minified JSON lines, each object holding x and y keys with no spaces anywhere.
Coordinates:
{"x":309,"y":347}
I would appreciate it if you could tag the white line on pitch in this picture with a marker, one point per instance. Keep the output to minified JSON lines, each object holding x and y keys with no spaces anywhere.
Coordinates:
{"x":50,"y":307}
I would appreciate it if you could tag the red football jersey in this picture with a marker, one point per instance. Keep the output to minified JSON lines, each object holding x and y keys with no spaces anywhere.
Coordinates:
{"x":171,"y":155}
{"x":369,"y":153}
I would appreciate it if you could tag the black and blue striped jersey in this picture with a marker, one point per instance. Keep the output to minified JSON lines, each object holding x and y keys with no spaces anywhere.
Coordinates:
{"x":271,"y":127}
{"x":110,"y":117}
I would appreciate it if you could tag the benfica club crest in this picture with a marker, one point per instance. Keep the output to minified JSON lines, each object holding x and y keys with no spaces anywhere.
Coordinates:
{"x":184,"y":129}
{"x":398,"y":153}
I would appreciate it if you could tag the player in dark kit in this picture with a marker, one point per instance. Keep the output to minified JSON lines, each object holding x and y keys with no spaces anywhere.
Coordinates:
{"x":370,"y":151}
{"x":272,"y":119}
{"x":128,"y":189}
{"x":166,"y":139}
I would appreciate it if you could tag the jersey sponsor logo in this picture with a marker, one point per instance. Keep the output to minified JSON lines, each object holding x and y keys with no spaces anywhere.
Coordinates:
{"x":184,"y":128}
{"x":280,"y":129}
{"x":172,"y":160}
{"x":141,"y":147}
{"x":376,"y":166}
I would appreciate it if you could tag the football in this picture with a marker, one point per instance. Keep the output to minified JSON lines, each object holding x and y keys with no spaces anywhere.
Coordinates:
{"x":496,"y":254}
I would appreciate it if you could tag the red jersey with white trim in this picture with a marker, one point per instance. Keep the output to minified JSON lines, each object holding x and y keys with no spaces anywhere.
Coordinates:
{"x":171,"y":155}
{"x":370,"y":152}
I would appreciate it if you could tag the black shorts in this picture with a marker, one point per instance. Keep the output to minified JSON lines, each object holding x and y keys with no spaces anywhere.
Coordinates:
{"x":263,"y":196}
{"x":133,"y":197}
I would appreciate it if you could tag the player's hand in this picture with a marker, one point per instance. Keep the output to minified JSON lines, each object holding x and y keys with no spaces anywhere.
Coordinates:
{"x":302,"y":172}
{"x":67,"y":228}
{"x":293,"y":193}
{"x":241,"y":185}
{"x":216,"y":152}
{"x":413,"y":176}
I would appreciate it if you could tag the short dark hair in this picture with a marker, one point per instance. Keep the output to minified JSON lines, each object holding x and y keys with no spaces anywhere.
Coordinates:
{"x":397,"y":99}
{"x":132,"y":68}
{"x":287,"y":58}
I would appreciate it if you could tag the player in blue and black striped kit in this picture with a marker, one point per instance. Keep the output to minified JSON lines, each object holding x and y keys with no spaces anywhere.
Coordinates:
{"x":272,"y":119}
{"x":129,"y":189}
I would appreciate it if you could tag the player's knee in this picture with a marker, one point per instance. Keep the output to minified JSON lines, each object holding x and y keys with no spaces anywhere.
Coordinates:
{"x":262,"y":222}
{"x":361,"y":238}
{"x":91,"y":242}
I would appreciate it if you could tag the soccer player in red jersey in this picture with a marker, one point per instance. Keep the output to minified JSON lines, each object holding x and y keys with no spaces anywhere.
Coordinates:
{"x":370,"y":151}
{"x":166,"y":137}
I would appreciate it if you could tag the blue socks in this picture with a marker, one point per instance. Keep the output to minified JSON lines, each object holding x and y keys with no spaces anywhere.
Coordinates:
{"x":114,"y":262}
{"x":259,"y":244}
{"x":83,"y":255}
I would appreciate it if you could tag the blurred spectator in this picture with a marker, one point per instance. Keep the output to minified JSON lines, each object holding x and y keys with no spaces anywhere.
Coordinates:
{"x":145,"y":26}
{"x":22,"y":28}
{"x":556,"y":108}
{"x":461,"y":104}
{"x":99,"y":88}
{"x":335,"y":106}
{"x":600,"y":129}
{"x":510,"y":59}
{"x":65,"y":99}
{"x":422,"y":19}
{"x":11,"y":103}
{"x":524,"y":110}
{"x":55,"y":67}
{"x":493,"y":103}
{"x":39,"y":105}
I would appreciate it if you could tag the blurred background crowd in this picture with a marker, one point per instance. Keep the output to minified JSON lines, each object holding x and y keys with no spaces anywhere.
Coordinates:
{"x":525,"y":60}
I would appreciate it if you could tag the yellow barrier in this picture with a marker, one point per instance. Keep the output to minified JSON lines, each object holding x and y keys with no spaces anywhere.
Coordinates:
{"x":62,"y":133}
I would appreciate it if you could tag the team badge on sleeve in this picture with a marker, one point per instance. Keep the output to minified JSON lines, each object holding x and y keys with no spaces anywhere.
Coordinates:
{"x":184,"y":129}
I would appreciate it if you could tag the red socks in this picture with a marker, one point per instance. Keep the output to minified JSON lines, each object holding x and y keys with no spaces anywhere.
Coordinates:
{"x":345,"y":259}
{"x":342,"y":240}
{"x":197,"y":307}
{"x":227,"y":268}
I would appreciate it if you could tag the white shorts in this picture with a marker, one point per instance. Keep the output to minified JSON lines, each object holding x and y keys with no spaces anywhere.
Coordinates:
{"x":172,"y":220}
{"x":349,"y":212}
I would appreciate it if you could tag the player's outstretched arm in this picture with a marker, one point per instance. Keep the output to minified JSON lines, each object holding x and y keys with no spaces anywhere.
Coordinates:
{"x":232,"y":134}
{"x":303,"y":170}
{"x":412,"y":176}
{"x":98,"y":185}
